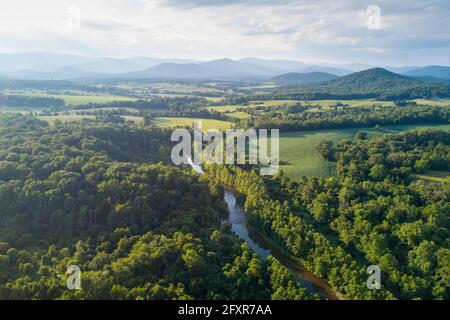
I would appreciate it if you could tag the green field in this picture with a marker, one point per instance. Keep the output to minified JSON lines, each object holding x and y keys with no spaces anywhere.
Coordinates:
{"x":434,"y":102}
{"x":226,"y":108}
{"x":83,"y":99}
{"x":433,"y":176}
{"x":166,"y":122}
{"x":135,"y":119}
{"x":350,"y":103}
{"x":240,"y":115}
{"x":64,"y":118}
{"x":297,"y":149}
{"x":94,"y":110}
{"x":75,"y":117}
{"x":316,"y":105}
{"x":183,"y":88}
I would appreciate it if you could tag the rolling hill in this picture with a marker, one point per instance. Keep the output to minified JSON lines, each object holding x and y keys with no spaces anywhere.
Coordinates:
{"x":375,"y":83}
{"x":375,"y":78}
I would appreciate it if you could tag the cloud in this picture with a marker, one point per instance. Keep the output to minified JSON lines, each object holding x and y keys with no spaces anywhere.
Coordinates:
{"x":314,"y":31}
{"x":222,"y":3}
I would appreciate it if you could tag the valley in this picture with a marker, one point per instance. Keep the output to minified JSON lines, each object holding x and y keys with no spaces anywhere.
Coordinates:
{"x":363,"y":179}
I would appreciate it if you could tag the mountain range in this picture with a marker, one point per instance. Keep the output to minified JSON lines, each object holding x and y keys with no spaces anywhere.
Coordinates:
{"x":440,"y":72}
{"x":295,"y":78}
{"x":63,"y":66}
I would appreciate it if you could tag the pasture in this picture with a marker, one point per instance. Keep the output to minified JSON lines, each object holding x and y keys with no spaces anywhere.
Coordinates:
{"x":433,"y":176}
{"x":166,"y":122}
{"x":51,"y":119}
{"x":83,"y":99}
{"x":297,"y":149}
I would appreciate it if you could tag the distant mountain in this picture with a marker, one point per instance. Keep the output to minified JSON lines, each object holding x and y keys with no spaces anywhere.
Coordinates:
{"x":303,"y":78}
{"x":354,"y":67}
{"x":375,"y":83}
{"x":433,"y":71}
{"x":216,"y":69}
{"x":114,"y":66}
{"x":232,"y":68}
{"x":66,"y":66}
{"x":63,"y":73}
{"x":48,"y":65}
{"x":173,"y":71}
{"x":111,"y":65}
{"x":287,"y":66}
{"x":325,"y":69}
{"x":401,"y":70}
{"x":38,"y":62}
{"x":282,"y":66}
{"x":432,"y":79}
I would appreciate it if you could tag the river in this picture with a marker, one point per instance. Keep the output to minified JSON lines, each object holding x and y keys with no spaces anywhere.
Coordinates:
{"x":264,"y":248}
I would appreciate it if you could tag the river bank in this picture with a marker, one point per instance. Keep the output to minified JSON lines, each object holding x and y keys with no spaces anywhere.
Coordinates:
{"x":264,"y":247}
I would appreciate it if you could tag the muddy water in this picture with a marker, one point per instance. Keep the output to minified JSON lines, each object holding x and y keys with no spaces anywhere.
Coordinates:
{"x":264,"y":248}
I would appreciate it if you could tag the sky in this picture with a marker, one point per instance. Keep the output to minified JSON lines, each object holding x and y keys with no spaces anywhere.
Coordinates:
{"x":401,"y":32}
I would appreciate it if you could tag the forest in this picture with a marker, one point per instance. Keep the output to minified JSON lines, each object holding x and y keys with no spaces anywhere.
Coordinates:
{"x":101,"y":193}
{"x":104,"y":197}
{"x":30,"y":102}
{"x":348,"y":117}
{"x":371,"y":212}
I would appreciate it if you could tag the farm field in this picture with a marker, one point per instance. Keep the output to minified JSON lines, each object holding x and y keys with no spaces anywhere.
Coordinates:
{"x":179,"y":95}
{"x":433,"y":176}
{"x":84,"y":99}
{"x":93,"y":110}
{"x":297,"y":149}
{"x":135,"y":119}
{"x":166,"y":122}
{"x":434,"y":102}
{"x":226,"y":108}
{"x":240,"y":115}
{"x":351,"y":103}
{"x":183,"y":88}
{"x":324,"y":104}
{"x":64,"y":118}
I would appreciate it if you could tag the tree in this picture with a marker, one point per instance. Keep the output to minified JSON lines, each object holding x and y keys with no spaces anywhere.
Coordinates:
{"x":378,"y":172}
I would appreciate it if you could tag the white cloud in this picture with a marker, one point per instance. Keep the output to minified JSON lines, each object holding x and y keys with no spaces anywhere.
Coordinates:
{"x":333,"y":31}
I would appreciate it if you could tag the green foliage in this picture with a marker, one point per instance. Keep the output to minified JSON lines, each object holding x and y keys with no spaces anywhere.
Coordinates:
{"x":372,"y":212}
{"x":95,"y":196}
{"x":356,"y":117}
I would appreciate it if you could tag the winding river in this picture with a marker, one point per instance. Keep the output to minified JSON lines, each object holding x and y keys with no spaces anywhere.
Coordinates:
{"x":264,"y":248}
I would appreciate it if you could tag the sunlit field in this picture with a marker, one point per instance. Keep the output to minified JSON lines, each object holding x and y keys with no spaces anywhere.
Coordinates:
{"x":166,"y":122}
{"x":298,"y":155}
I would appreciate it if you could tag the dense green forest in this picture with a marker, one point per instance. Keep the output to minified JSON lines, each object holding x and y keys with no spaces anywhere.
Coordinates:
{"x":155,"y":103}
{"x":372,"y":212}
{"x":30,"y":102}
{"x":348,"y":117}
{"x":103,"y":197}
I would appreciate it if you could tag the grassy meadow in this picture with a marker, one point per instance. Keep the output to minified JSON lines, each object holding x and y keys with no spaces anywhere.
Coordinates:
{"x":297,"y":149}
{"x":433,"y":176}
{"x":166,"y":122}
{"x":83,"y":99}
{"x":64,"y":118}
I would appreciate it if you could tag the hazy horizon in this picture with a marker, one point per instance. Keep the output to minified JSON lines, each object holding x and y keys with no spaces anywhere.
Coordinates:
{"x":194,"y":60}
